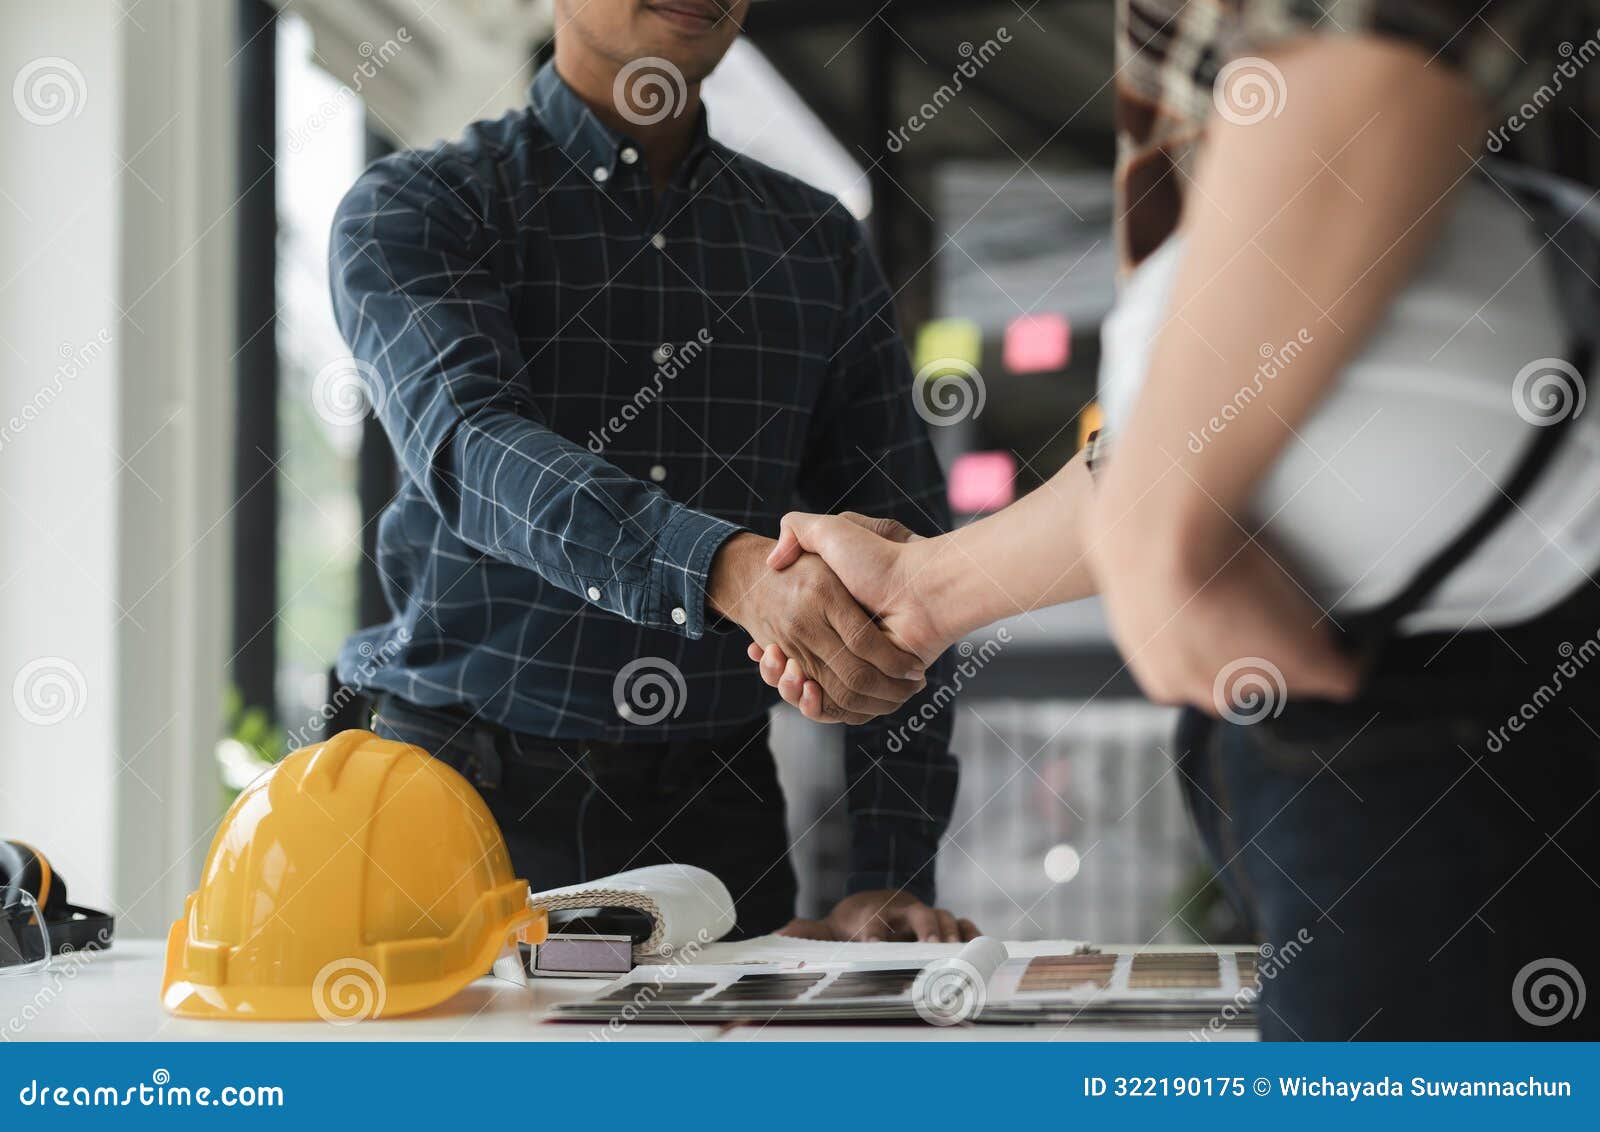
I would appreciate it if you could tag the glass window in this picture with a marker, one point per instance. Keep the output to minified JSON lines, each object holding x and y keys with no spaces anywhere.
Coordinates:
{"x":321,"y":149}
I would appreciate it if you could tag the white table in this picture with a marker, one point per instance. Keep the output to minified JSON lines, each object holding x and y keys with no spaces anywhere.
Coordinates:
{"x":115,"y":996}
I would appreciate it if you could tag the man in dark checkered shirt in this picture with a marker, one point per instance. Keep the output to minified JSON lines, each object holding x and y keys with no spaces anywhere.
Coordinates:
{"x":609,"y":351}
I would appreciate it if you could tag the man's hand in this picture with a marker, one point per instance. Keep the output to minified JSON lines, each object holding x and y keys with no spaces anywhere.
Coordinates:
{"x":878,"y":560}
{"x":884,"y":914}
{"x":806,"y":612}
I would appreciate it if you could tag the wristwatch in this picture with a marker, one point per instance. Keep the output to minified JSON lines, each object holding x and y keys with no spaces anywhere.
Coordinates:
{"x":1096,"y":451}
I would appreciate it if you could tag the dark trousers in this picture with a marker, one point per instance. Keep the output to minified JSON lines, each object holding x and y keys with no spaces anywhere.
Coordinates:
{"x":1416,"y":877}
{"x":572,"y":811}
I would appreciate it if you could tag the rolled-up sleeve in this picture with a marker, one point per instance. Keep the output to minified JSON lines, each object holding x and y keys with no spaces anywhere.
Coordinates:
{"x":417,"y":270}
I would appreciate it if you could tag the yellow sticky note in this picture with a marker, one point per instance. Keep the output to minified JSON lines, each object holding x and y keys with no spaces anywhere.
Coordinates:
{"x":949,"y":340}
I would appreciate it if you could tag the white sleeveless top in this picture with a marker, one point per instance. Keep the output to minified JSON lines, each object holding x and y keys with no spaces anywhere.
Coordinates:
{"x":1414,"y":437}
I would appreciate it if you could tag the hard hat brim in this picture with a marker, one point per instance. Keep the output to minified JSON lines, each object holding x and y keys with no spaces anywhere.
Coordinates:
{"x":187,"y":997}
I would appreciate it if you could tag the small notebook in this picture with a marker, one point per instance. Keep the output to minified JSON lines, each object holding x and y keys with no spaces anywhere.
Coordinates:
{"x":982,"y":983}
{"x":685,"y":904}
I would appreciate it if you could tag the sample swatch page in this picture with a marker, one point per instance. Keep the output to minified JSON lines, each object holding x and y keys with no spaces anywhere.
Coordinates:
{"x":981,"y":984}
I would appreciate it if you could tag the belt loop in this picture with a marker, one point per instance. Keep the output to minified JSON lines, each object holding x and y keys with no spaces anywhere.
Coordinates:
{"x":485,"y":762}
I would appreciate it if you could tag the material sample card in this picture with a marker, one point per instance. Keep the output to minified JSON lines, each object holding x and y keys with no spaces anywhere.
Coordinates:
{"x":981,"y":984}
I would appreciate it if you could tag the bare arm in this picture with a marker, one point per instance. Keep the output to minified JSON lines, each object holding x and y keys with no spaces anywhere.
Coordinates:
{"x":1028,"y":556}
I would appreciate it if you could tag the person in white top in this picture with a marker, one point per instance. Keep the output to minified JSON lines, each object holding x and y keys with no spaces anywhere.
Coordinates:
{"x":1349,"y":520}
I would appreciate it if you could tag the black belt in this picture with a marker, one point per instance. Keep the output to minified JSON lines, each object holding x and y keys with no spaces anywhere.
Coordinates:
{"x":488,"y":745}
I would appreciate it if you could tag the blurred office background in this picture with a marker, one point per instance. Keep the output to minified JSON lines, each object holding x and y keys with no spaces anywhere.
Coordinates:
{"x":189,"y":514}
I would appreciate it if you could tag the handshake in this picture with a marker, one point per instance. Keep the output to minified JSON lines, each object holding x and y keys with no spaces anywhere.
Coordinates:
{"x":836,"y":620}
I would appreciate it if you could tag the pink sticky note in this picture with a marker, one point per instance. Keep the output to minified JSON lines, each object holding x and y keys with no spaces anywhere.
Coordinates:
{"x":1038,"y":343}
{"x":982,"y":481}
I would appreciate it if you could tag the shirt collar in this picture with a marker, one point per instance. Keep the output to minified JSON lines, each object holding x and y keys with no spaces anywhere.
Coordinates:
{"x":592,"y":145}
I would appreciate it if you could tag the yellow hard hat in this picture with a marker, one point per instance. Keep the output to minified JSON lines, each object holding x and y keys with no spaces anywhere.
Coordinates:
{"x":355,"y":879}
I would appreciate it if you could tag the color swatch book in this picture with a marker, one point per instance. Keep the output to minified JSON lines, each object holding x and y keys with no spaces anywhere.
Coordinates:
{"x":684,"y":905}
{"x":983,"y":983}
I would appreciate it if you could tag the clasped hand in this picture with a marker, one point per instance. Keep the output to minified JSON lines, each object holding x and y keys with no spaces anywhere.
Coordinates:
{"x":832,"y":614}
{"x":1182,"y":627}
{"x":795,"y":606}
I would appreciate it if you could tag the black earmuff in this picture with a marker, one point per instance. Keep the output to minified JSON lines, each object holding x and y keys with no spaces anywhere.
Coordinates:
{"x":72,"y":928}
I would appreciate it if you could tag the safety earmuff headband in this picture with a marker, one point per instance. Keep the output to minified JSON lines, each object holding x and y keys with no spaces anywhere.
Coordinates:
{"x":71,"y":927}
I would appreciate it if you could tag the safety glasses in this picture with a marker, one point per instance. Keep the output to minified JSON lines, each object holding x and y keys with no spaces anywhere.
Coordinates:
{"x":24,"y":939}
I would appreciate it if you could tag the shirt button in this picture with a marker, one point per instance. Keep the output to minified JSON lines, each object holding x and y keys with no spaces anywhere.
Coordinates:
{"x":600,"y":174}
{"x":658,"y":241}
{"x":629,"y":155}
{"x":658,"y":473}
{"x":594,"y":593}
{"x":679,"y":616}
{"x":661,"y":353}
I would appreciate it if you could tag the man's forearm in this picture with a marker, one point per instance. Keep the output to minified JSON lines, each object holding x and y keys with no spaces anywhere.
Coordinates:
{"x":735,"y":574}
{"x":539,"y":501}
{"x":407,"y":263}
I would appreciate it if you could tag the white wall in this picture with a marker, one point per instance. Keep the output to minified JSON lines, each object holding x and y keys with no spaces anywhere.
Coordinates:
{"x":115,"y":330}
{"x":58,"y":217}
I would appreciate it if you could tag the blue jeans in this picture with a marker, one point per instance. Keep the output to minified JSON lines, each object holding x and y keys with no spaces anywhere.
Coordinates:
{"x":1410,"y":873}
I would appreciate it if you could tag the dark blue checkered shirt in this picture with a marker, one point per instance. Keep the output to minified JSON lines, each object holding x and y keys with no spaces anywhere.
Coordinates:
{"x":589,"y":390}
